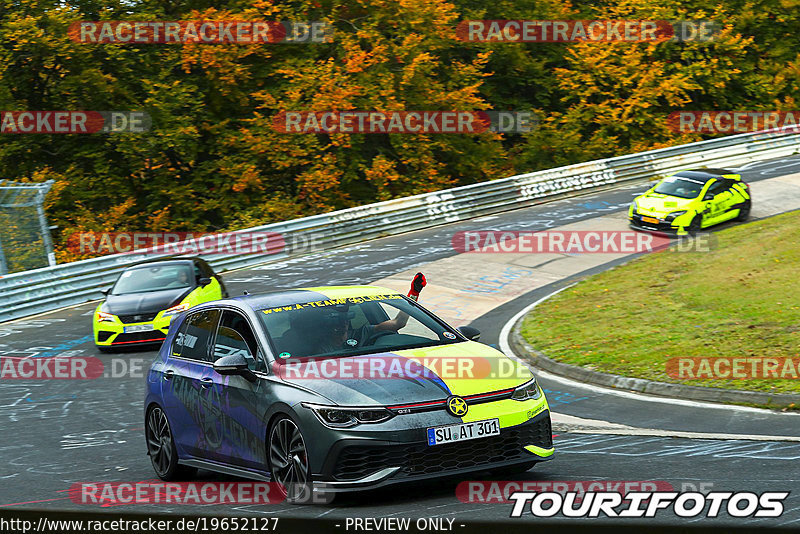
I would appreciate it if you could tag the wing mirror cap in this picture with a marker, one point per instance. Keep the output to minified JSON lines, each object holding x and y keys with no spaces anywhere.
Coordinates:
{"x":470,"y":333}
{"x":235,"y":364}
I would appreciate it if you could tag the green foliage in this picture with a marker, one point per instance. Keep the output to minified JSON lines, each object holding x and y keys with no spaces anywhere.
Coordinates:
{"x":213,"y":160}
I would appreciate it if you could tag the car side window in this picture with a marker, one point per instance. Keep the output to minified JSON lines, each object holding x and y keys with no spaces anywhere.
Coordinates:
{"x":236,"y":337}
{"x":195,"y":340}
{"x":717,"y":188}
{"x":206,"y":269}
{"x":180,"y":338}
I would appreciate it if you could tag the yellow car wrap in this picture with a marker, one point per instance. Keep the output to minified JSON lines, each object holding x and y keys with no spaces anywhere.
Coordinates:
{"x":703,"y":199}
{"x":108,"y":328}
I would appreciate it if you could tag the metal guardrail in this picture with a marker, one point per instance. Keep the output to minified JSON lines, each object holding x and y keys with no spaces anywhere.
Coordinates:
{"x":40,"y":290}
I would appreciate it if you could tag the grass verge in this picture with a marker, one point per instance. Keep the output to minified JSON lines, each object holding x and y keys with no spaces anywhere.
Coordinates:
{"x":742,"y":299}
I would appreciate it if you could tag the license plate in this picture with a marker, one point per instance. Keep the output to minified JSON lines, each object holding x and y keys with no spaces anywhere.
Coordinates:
{"x":463,"y":432}
{"x":138,"y":328}
{"x":650,"y":220}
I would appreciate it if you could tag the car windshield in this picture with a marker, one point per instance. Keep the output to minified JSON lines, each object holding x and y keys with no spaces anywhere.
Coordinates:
{"x":153,"y":278}
{"x":350,"y":326}
{"x":675,"y":186}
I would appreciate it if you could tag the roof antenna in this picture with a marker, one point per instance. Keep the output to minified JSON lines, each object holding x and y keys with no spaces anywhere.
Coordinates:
{"x":245,"y":292}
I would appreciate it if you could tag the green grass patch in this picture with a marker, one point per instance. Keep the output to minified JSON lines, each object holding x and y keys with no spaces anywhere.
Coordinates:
{"x":742,"y":299}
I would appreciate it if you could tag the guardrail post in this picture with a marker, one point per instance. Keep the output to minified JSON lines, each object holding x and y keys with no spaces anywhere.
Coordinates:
{"x":3,"y":264}
{"x":46,"y":239}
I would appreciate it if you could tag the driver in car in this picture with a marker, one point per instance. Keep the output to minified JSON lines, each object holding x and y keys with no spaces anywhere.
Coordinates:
{"x":336,"y":322}
{"x":181,"y":280}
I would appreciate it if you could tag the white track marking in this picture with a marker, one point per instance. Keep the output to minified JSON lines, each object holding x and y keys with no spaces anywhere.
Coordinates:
{"x":579,"y":425}
{"x":29,"y":317}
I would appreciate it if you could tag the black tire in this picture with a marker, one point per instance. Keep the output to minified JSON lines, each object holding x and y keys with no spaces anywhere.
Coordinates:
{"x":161,"y":447}
{"x":744,"y":212}
{"x":288,"y":460}
{"x":696,"y":225}
{"x":514,"y":469}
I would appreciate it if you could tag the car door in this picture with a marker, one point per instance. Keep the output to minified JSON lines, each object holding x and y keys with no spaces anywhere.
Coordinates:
{"x":240,"y":427}
{"x":729,"y":199}
{"x":185,"y":383}
{"x":715,"y":203}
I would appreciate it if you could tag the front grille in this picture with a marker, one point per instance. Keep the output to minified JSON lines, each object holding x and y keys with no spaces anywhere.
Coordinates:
{"x":138,"y":318}
{"x":662,"y":226}
{"x":154,"y":336}
{"x":356,"y":462}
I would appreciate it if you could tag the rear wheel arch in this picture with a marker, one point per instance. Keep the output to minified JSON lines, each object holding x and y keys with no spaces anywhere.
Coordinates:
{"x":744,"y":211}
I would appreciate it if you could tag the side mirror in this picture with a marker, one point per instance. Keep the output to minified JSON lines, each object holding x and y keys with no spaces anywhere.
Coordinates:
{"x":235,"y":364}
{"x":204,"y":282}
{"x":106,"y":291}
{"x":470,"y":333}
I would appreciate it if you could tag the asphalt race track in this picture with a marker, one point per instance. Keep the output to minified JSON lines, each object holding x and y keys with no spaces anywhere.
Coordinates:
{"x":59,"y":432}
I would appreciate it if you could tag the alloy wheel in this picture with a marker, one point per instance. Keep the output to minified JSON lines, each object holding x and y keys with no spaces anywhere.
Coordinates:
{"x":159,"y":442}
{"x":288,"y":460}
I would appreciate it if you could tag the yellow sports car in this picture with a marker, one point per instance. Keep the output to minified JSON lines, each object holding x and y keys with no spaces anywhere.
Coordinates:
{"x":138,"y":308}
{"x":688,"y":201}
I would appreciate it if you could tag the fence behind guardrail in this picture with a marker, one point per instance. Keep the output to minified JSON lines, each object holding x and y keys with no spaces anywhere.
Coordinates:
{"x":30,"y":292}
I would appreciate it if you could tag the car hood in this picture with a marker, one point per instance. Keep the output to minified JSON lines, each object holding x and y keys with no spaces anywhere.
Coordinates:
{"x":484,"y":369}
{"x":150,"y":302}
{"x":658,"y":205}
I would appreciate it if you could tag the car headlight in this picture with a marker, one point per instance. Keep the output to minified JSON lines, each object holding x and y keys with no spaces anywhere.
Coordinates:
{"x":105,"y":317}
{"x":175,"y":310}
{"x":671,"y":217}
{"x":528,"y":390}
{"x":635,"y":207}
{"x":341,"y":417}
